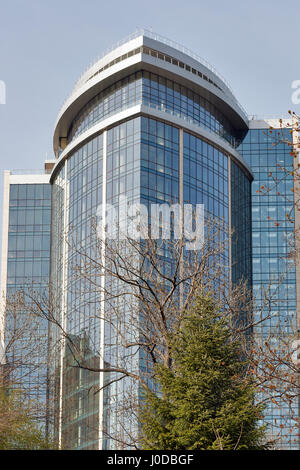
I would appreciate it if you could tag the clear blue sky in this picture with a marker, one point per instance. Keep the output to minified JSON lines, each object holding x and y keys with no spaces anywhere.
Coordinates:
{"x":46,"y":44}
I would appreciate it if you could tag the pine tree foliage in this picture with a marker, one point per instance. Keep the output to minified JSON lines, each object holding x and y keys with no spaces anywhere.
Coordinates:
{"x":206,"y":399}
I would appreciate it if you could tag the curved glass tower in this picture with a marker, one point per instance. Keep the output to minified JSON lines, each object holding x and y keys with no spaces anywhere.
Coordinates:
{"x":154,"y":123}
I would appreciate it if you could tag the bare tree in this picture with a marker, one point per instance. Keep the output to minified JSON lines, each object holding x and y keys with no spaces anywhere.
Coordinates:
{"x":133,"y":294}
{"x":136,"y":293}
{"x":24,"y":365}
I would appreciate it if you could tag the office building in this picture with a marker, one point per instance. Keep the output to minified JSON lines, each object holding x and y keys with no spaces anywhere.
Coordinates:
{"x":153,"y":122}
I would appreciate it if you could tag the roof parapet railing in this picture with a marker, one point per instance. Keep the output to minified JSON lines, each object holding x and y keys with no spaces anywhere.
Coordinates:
{"x":257,"y":117}
{"x":164,"y":40}
{"x":27,"y":172}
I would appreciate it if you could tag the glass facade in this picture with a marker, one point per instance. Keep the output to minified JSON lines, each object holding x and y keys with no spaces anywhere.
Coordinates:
{"x":160,"y":93}
{"x":28,"y":268}
{"x":149,"y":160}
{"x":206,"y":181}
{"x":29,"y":234}
{"x":159,"y":162}
{"x":142,"y":163}
{"x":271,"y":236}
{"x":205,"y":176}
{"x":241,"y":248}
{"x":77,"y":192}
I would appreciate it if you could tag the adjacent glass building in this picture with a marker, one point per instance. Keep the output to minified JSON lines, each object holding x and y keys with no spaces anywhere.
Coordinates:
{"x":26,"y":267}
{"x":152,"y":122}
{"x":274,"y":272}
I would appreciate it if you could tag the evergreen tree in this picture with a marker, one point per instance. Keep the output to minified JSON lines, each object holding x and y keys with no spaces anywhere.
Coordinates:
{"x":206,"y":399}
